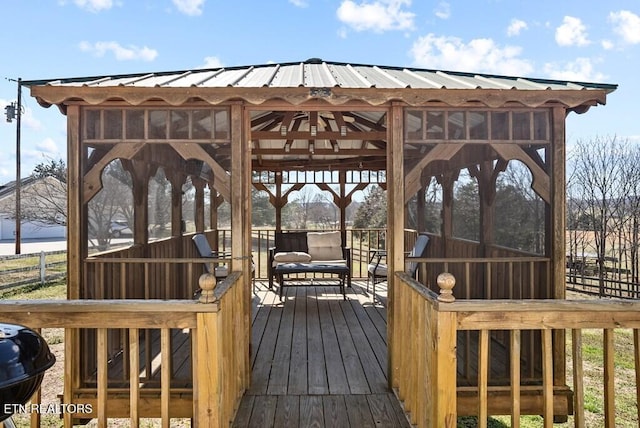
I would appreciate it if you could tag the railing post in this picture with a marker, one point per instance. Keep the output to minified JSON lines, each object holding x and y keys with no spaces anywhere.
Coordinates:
{"x":207,"y":376}
{"x":445,"y":359}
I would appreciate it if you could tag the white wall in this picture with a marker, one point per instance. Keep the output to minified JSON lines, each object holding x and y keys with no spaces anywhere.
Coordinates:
{"x":30,"y":230}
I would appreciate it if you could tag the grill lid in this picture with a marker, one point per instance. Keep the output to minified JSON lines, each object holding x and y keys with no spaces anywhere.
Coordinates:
{"x":24,"y":354}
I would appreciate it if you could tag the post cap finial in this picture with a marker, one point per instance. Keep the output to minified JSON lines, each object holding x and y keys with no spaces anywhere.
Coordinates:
{"x":207,"y":283}
{"x":446,"y":282}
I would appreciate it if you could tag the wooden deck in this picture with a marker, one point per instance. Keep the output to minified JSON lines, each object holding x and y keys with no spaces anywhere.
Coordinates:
{"x":319,"y":360}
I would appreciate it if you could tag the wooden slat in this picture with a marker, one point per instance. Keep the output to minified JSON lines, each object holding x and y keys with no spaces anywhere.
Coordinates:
{"x":311,"y":411}
{"x":317,"y":373}
{"x":358,"y":411}
{"x":244,"y":412}
{"x":578,"y":376}
{"x":279,"y":374}
{"x":483,"y":377}
{"x":354,"y":370}
{"x":336,"y":375}
{"x":264,"y":411}
{"x":287,"y":411}
{"x":299,"y":374}
{"x":547,"y":378}
{"x":102,"y":377}
{"x":265,"y":352}
{"x":515,"y":378}
{"x":165,"y":385}
{"x":373,"y":371}
{"x":335,"y":410}
{"x":609,"y":379}
{"x":134,"y":373}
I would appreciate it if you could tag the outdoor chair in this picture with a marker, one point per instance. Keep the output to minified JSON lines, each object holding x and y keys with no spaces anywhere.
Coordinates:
{"x":220,"y":271}
{"x":205,"y":251}
{"x":377,"y":270}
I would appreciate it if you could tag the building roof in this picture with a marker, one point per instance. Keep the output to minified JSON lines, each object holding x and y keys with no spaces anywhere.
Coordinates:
{"x":310,"y":76}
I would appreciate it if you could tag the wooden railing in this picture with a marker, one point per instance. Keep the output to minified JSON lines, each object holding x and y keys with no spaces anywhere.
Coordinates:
{"x":426,"y":363}
{"x":218,"y":353}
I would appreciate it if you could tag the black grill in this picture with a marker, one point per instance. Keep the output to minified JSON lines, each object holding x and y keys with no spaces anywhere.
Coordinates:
{"x":24,"y":357}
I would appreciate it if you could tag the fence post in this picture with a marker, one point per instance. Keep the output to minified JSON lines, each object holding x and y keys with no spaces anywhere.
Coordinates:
{"x":43,"y":267}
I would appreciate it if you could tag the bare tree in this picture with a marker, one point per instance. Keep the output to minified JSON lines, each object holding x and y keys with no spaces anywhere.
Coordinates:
{"x":300,"y":210}
{"x":45,"y":201}
{"x":598,"y":182}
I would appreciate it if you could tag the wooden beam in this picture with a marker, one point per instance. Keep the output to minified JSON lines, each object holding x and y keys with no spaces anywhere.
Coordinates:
{"x":58,"y":94}
{"x":413,"y":177}
{"x":195,"y":151}
{"x":93,"y":178}
{"x":320,"y":135}
{"x":540,"y":179}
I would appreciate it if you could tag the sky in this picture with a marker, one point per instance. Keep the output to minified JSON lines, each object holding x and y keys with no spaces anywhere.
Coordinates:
{"x":581,"y":40}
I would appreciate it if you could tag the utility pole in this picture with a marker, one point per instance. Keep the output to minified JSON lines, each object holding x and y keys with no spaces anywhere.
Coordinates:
{"x":14,"y":111}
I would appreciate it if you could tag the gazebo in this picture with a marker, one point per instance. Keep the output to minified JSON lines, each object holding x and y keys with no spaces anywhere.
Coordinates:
{"x":341,"y":127}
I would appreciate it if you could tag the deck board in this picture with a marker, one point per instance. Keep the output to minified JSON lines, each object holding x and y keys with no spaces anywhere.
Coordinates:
{"x":319,"y":360}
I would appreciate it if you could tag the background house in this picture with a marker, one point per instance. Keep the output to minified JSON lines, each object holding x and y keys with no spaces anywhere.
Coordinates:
{"x":43,"y":208}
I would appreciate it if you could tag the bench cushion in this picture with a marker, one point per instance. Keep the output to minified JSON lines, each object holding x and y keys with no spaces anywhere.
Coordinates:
{"x":292,"y":257}
{"x":325,"y":245}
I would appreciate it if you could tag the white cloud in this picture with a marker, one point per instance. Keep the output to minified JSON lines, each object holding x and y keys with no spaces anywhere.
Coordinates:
{"x":582,"y":69}
{"x":377,"y":16}
{"x":627,"y":25}
{"x":94,"y":5}
{"x":479,"y":55}
{"x":572,"y":32}
{"x":48,"y":147}
{"x":515,"y":27}
{"x":121,"y":53}
{"x":443,"y":11}
{"x":189,"y":7}
{"x":29,"y":121}
{"x":212,"y":62}
{"x":299,"y":3}
{"x":607,"y":45}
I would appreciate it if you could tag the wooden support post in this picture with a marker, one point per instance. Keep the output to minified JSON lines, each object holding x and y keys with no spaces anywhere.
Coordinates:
{"x":447,"y":181}
{"x":555,"y":246}
{"x":177,"y":180}
{"x":140,"y":172}
{"x":445,"y":408}
{"x":278,"y":201}
{"x":207,"y":373}
{"x":241,"y":236}
{"x":77,"y":231}
{"x":395,"y":225}
{"x":199,"y":185}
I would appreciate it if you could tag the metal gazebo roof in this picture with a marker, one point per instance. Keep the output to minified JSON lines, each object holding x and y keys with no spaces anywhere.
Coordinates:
{"x":334,"y":82}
